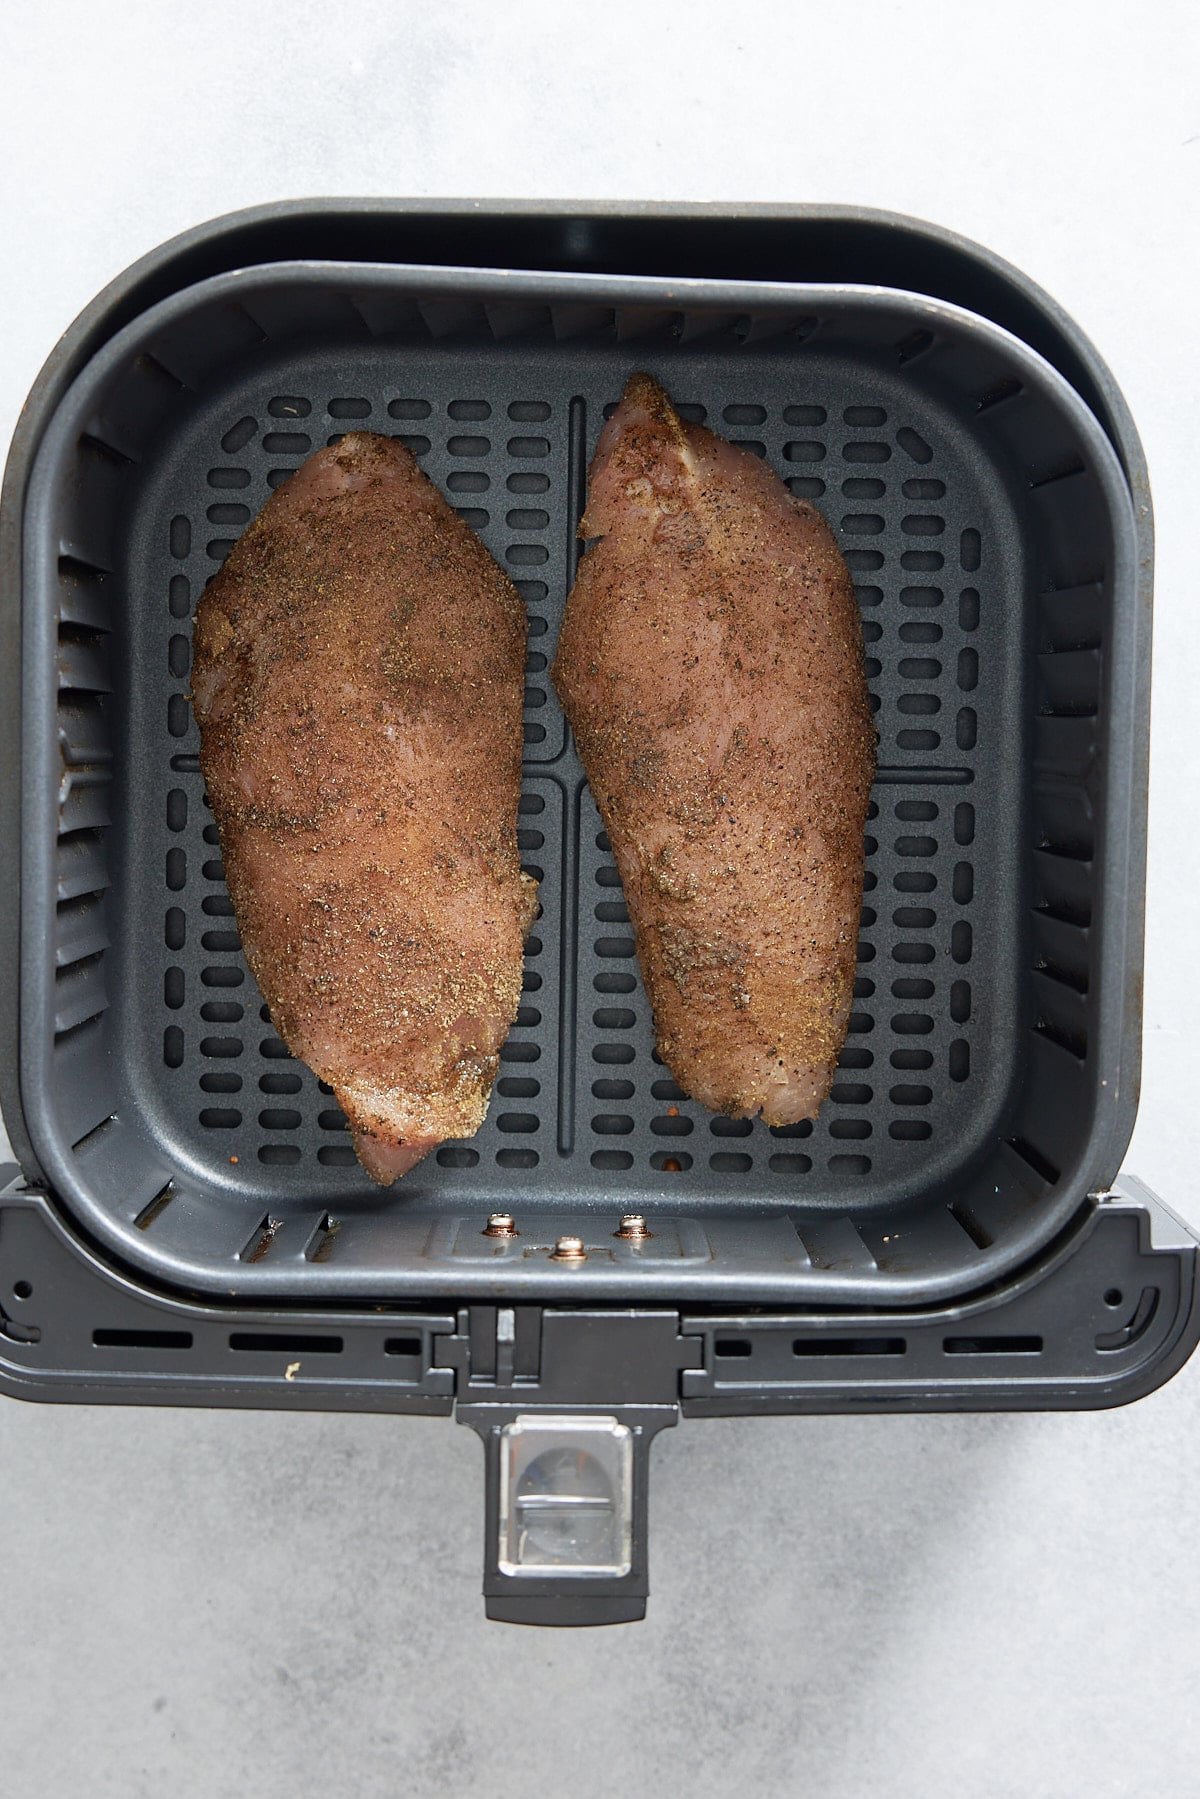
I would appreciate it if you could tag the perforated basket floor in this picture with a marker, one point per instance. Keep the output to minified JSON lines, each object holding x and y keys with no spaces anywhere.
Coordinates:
{"x":981,"y":516}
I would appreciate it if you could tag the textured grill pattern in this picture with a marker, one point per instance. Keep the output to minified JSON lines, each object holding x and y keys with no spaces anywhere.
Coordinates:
{"x":581,"y":1095}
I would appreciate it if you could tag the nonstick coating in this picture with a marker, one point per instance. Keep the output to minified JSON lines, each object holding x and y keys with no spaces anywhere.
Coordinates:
{"x":987,"y":529}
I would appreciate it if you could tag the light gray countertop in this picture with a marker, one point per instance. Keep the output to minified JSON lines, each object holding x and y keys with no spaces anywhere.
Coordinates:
{"x":200,"y":1604}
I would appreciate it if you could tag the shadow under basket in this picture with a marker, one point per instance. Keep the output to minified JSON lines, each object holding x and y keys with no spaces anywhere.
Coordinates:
{"x":988,"y":491}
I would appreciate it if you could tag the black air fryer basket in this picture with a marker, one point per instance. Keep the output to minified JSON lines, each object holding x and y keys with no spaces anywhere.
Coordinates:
{"x":190,"y":1224}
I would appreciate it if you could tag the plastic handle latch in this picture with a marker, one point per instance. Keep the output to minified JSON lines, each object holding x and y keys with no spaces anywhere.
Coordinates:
{"x":565,"y":1533}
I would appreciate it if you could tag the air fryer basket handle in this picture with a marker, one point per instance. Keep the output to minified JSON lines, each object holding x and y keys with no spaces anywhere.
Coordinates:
{"x":567,"y":1401}
{"x":566,"y":1557}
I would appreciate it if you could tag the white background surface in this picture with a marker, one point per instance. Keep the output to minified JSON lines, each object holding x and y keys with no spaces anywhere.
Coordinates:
{"x":210,"y":1604}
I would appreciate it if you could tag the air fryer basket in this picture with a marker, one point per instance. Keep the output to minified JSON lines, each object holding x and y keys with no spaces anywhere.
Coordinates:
{"x":991,"y":504}
{"x":987,"y":521}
